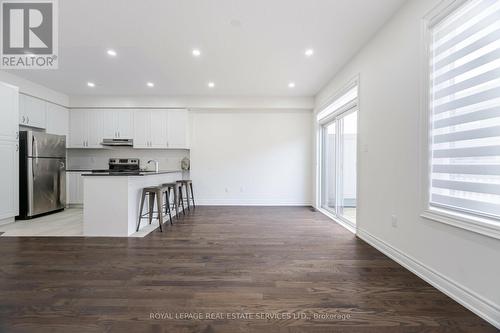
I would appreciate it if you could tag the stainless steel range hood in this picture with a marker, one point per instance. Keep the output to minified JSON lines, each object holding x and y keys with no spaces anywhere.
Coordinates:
{"x":118,"y":142}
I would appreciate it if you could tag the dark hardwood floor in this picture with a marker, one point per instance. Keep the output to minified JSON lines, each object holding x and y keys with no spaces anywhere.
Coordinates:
{"x":226,"y":261}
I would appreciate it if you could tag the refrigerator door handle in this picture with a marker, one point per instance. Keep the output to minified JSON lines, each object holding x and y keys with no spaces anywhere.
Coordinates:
{"x":30,"y":180}
{"x":35,"y":149}
{"x":33,"y":166}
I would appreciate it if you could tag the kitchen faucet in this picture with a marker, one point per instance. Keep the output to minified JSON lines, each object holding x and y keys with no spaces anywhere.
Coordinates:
{"x":157,"y":165}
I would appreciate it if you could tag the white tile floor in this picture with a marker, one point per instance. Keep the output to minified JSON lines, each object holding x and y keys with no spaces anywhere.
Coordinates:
{"x":68,"y":223}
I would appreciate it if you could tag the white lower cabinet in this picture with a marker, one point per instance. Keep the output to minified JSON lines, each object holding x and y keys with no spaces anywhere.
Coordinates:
{"x":9,"y":151}
{"x":74,"y":188}
{"x":9,"y":178}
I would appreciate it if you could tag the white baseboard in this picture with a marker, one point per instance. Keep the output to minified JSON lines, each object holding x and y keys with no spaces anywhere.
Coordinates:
{"x":238,"y":202}
{"x":469,"y":299}
{"x":7,"y":220}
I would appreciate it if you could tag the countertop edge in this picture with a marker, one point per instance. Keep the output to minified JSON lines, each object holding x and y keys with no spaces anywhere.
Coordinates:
{"x":142,"y":174}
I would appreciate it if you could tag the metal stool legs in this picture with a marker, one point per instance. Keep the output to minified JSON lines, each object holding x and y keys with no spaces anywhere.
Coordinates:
{"x":166,"y":192}
{"x":181,"y":198}
{"x":192,"y":194}
{"x":152,"y":193}
{"x":188,"y":185}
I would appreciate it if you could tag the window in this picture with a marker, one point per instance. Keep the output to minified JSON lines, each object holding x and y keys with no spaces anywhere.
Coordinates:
{"x":338,"y":156}
{"x":464,"y":100}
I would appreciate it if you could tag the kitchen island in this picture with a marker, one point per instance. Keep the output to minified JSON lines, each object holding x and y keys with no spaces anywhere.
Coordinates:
{"x":111,"y":201}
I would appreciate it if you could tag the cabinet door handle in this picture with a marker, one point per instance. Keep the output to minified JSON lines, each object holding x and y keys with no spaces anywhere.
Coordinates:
{"x":17,"y":147}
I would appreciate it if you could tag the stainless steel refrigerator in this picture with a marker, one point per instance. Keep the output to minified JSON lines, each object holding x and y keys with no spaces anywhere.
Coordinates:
{"x":42,"y":176}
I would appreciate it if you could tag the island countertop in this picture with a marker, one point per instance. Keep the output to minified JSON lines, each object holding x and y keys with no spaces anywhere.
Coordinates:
{"x":129,"y":174}
{"x":111,"y":202}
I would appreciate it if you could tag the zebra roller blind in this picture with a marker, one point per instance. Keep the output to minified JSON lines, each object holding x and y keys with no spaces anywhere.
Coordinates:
{"x":465,"y":105}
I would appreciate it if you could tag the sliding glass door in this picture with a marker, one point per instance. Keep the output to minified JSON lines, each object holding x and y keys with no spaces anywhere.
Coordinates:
{"x":329,"y":178}
{"x":348,"y":124}
{"x":338,"y":164}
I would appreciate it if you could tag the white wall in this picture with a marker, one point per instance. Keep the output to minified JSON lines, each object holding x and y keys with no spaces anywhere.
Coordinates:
{"x":35,"y":90}
{"x":252,"y":157}
{"x":192,"y":102}
{"x":462,"y":263}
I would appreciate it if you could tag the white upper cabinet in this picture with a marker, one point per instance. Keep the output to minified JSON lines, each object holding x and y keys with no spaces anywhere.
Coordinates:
{"x":9,"y":112}
{"x":150,"y":129}
{"x":177,"y":129}
{"x":118,"y":124}
{"x":158,"y":131}
{"x":86,"y":128}
{"x":77,"y":129}
{"x":142,"y":129}
{"x":32,"y":112}
{"x":95,"y":127}
{"x":57,"y":120}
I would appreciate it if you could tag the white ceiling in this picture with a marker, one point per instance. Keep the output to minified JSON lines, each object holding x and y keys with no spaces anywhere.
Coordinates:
{"x":249,"y":47}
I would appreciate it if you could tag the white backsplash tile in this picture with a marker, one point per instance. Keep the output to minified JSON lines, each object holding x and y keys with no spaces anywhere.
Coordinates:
{"x":98,"y":158}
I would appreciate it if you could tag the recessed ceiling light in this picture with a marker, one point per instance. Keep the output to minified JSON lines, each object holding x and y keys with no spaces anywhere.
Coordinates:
{"x":291,"y":85}
{"x":91,"y":84}
{"x":211,"y":84}
{"x":196,"y":52}
{"x":309,"y":52}
{"x":150,"y":84}
{"x":111,"y":53}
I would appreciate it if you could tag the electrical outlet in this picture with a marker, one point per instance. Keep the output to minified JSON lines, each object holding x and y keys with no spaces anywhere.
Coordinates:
{"x":394,"y":221}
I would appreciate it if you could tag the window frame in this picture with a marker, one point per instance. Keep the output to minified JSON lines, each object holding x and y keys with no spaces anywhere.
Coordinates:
{"x":351,"y":106}
{"x":468,"y":221}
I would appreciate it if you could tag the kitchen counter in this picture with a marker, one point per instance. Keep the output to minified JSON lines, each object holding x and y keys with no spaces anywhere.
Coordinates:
{"x":111,"y":202}
{"x":129,"y":174}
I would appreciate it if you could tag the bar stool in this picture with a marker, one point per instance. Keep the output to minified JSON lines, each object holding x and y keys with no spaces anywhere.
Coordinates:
{"x":188,"y":184}
{"x":165,"y":189}
{"x":177,"y":197}
{"x":151,"y":192}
